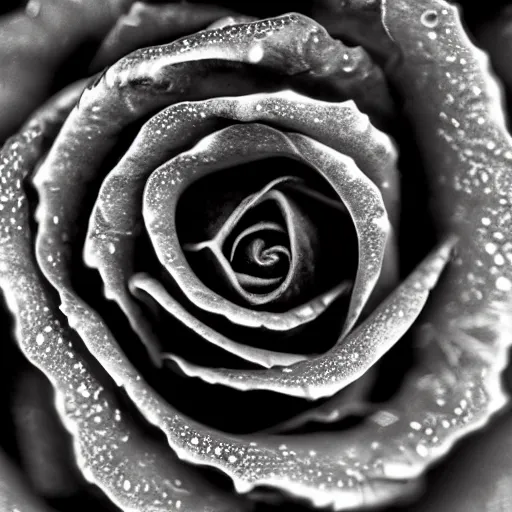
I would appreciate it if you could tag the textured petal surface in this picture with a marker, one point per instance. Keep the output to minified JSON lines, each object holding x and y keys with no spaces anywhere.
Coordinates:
{"x":352,"y":355}
{"x":263,"y":357}
{"x":350,"y":401}
{"x":106,"y":441}
{"x":147,"y":24}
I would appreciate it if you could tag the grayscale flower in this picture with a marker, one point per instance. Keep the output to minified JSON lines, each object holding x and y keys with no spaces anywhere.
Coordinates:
{"x":275,"y":247}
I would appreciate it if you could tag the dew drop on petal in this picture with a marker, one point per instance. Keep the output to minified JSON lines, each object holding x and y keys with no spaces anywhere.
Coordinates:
{"x":429,"y":18}
{"x":503,"y":284}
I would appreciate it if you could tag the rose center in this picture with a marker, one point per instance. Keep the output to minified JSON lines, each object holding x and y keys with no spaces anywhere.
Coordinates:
{"x":275,"y":243}
{"x":261,"y":257}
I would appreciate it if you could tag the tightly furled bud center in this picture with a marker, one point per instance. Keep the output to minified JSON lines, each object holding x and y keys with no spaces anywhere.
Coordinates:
{"x":266,"y":249}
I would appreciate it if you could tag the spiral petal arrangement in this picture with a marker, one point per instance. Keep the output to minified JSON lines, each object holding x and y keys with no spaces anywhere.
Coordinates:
{"x":240,"y":92}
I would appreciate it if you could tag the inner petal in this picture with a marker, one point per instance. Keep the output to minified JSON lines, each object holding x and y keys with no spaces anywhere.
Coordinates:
{"x":268,"y":251}
{"x":259,"y":258}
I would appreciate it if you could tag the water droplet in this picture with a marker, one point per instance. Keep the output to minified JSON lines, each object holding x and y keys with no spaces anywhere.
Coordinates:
{"x":422,"y":450}
{"x":490,"y":248}
{"x":503,"y":284}
{"x":256,"y":54}
{"x":430,"y":18}
{"x":33,"y":8}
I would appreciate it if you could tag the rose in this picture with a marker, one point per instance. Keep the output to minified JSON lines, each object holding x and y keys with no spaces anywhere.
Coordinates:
{"x":501,"y":281}
{"x":447,"y":325}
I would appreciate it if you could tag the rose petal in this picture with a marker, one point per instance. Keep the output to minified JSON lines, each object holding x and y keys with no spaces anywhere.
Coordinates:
{"x":350,"y":401}
{"x":256,"y":228}
{"x":468,"y":154}
{"x":352,"y":355}
{"x":266,"y":358}
{"x":358,"y":22}
{"x":460,"y":485}
{"x":227,"y":21}
{"x":243,"y":143}
{"x":107,"y":443}
{"x":146,"y":24}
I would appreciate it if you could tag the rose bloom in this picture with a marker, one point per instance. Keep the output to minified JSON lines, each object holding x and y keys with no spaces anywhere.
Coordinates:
{"x":255,"y":259}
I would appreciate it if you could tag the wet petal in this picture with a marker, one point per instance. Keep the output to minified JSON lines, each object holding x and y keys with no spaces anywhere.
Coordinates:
{"x":468,"y":153}
{"x":227,"y":21}
{"x":350,"y":401}
{"x":146,"y":24}
{"x":353,"y":355}
{"x":266,"y":358}
{"x":106,"y":442}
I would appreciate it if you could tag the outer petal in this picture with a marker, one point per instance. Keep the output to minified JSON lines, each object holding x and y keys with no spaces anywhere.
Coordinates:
{"x":111,"y":451}
{"x":146,"y":24}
